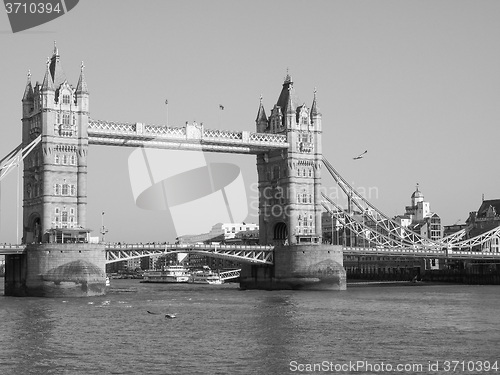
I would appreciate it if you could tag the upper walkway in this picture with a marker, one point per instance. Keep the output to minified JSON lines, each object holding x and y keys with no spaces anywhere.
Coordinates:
{"x":190,"y":137}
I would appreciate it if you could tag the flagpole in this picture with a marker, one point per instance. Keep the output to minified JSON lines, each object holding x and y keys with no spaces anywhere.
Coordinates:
{"x":166,"y":103}
{"x":17,"y":200}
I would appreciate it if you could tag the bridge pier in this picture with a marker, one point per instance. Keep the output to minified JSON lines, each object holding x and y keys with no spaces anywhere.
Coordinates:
{"x":57,"y":270}
{"x":301,"y":266}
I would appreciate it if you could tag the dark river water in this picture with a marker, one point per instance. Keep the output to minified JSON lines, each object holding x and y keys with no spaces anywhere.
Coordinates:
{"x":224,"y":330}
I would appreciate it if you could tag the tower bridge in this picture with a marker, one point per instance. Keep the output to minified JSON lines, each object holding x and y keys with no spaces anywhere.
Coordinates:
{"x":57,"y":130}
{"x":56,"y":133}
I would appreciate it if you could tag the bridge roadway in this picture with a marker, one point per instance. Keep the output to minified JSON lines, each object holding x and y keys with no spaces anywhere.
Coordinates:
{"x":421,"y":253}
{"x":259,"y":254}
{"x":242,"y":253}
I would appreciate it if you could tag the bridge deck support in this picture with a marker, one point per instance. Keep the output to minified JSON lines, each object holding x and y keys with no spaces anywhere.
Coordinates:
{"x":311,"y":267}
{"x":57,"y":270}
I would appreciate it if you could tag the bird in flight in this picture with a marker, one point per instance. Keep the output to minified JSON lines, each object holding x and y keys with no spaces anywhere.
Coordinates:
{"x":360,"y":156}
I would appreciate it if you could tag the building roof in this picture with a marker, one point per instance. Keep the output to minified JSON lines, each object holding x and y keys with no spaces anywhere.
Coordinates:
{"x":490,"y":205}
{"x":417,"y":194}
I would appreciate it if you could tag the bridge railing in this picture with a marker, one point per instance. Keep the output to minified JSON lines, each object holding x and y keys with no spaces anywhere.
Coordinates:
{"x":428,"y":253}
{"x":189,"y":133}
{"x":243,"y":253}
{"x":187,"y":246}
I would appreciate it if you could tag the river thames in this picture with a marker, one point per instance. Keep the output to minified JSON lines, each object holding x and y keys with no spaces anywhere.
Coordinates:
{"x":224,"y":330}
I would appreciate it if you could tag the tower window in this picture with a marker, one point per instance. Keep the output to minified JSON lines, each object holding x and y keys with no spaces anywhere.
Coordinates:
{"x":65,"y":189}
{"x":66,"y":99}
{"x":65,"y":118}
{"x":56,"y":158}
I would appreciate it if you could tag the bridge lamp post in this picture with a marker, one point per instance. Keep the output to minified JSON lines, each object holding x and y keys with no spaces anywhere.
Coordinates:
{"x":103,"y":228}
{"x":332,"y":229}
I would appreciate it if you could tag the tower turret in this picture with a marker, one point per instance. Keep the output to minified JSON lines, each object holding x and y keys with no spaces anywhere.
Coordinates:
{"x":261,"y":121}
{"x":28,"y":97}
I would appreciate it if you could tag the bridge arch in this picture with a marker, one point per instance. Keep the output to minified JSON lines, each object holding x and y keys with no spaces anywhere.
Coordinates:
{"x":34,"y":228}
{"x":280,"y":231}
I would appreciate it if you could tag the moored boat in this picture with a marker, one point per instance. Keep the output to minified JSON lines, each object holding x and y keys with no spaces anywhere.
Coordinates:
{"x":205,"y":276}
{"x":170,"y":274}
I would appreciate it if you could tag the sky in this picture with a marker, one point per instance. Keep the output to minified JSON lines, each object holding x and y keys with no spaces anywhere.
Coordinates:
{"x":416,"y":83}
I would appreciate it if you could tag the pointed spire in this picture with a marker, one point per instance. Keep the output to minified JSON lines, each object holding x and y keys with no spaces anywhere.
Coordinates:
{"x":288,"y":78}
{"x":290,"y":107}
{"x":56,"y":69}
{"x":47,"y":83}
{"x":28,"y":91}
{"x":261,"y":114}
{"x":81,"y":86}
{"x":314,"y":106}
{"x":285,"y":94}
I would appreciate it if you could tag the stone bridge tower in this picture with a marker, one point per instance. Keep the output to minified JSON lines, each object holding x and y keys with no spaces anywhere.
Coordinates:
{"x":55,"y":172}
{"x":290,"y":180}
{"x":59,"y":260}
{"x":290,"y":202}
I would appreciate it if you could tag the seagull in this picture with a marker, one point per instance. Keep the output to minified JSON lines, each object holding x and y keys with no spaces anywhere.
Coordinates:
{"x":360,"y":156}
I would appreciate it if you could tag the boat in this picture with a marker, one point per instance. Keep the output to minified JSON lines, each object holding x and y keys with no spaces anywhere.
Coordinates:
{"x":205,"y":276}
{"x":170,"y":274}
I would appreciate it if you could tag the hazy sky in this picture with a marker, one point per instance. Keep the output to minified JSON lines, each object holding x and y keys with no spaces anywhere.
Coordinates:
{"x":416,"y":83}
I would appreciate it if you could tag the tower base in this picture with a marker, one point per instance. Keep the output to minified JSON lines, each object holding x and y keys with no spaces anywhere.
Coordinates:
{"x":304,"y":266}
{"x":57,"y":270}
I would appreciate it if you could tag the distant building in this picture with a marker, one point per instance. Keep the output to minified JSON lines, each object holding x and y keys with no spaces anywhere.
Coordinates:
{"x":224,"y":233}
{"x":219,"y":232}
{"x":419,"y":218}
{"x":486,"y":218}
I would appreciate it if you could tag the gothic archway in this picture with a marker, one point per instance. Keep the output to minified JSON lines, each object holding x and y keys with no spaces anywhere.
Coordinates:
{"x":280,"y":231}
{"x":35,"y":228}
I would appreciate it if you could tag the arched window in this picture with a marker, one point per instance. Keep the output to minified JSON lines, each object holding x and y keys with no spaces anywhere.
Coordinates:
{"x":57,"y":189}
{"x":56,"y":158}
{"x":73,"y":190}
{"x":65,"y":189}
{"x":73,"y":159}
{"x":65,"y":159}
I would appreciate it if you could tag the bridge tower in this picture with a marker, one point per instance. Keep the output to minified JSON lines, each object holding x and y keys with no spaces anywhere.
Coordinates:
{"x":290,"y":180}
{"x":290,"y":201}
{"x":55,"y":192}
{"x":55,"y":173}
